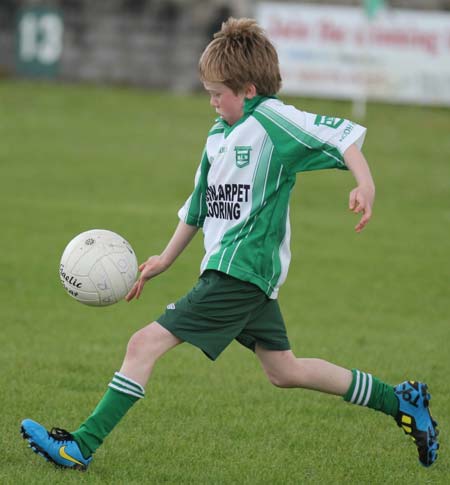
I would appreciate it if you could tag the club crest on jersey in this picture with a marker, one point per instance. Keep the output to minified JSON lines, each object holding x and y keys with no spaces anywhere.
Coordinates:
{"x":242,"y":155}
{"x":328,"y":121}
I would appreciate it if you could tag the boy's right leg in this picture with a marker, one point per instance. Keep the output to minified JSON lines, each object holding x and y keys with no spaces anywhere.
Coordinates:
{"x":74,"y":450}
{"x":407,"y":403}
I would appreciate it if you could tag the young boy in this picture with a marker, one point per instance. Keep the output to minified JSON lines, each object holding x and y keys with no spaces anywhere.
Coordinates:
{"x":241,"y":200}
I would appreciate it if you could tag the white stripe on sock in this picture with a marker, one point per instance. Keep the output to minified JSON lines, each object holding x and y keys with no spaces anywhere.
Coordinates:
{"x":363,"y":388}
{"x":355,"y":391}
{"x":130,"y":381}
{"x":117,"y":382}
{"x":125,"y":391}
{"x":126,"y":386}
{"x":369,"y":390}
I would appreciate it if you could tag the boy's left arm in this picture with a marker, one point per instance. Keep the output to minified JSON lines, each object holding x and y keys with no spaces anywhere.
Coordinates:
{"x":362,"y":197}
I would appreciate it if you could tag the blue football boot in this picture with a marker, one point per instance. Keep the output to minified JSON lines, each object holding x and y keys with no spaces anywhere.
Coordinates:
{"x":57,"y":446}
{"x":415,"y":419}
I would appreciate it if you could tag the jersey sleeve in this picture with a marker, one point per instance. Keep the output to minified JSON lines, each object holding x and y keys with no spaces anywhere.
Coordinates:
{"x":305,"y":141}
{"x":195,"y":209}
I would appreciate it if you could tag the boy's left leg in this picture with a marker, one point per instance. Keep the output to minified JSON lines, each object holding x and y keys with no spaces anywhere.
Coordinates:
{"x":407,"y":403}
{"x":75,"y":450}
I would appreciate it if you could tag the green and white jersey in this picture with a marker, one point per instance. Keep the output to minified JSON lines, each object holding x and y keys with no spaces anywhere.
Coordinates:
{"x":244,"y":182}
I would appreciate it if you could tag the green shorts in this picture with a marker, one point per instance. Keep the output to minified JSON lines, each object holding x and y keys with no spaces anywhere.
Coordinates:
{"x":221,"y":308}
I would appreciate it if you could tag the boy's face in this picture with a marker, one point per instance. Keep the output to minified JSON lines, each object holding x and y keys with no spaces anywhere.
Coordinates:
{"x":228,"y":105}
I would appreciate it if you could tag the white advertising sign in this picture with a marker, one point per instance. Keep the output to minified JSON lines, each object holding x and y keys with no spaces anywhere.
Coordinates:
{"x":401,"y":55}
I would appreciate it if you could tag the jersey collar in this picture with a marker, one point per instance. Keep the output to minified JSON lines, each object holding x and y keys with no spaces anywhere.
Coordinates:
{"x":249,"y":106}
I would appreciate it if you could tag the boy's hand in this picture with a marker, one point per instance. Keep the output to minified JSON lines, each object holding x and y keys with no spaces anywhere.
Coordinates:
{"x":157,"y":264}
{"x":151,"y":268}
{"x":361,"y":200}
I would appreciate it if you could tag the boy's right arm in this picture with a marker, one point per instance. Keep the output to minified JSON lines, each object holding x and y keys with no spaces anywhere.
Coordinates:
{"x":157,"y":264}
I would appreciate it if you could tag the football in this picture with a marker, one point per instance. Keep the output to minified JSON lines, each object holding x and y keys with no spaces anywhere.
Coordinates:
{"x":98,"y":267}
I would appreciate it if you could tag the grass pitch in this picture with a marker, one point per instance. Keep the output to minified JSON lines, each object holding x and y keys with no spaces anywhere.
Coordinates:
{"x":74,"y":158}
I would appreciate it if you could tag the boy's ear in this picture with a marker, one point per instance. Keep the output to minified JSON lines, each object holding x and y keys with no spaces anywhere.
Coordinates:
{"x":250,"y":91}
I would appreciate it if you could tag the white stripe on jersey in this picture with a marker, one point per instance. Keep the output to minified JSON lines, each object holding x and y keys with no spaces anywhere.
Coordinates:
{"x":241,"y":195}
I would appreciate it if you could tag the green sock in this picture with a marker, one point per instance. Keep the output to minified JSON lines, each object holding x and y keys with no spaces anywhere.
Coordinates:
{"x":369,"y":391}
{"x":118,"y":399}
